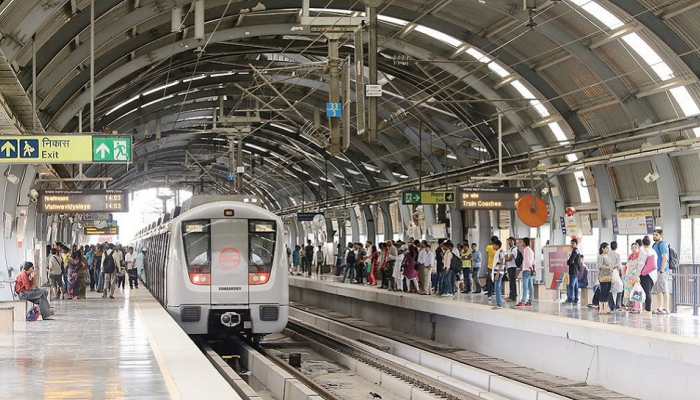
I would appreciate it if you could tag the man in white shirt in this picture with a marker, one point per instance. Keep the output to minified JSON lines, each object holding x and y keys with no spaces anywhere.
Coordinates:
{"x":426,"y":258}
{"x":498,"y":270}
{"x":131,"y":268}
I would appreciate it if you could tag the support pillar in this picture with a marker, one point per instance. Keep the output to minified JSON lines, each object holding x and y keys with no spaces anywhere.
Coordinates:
{"x":483,"y":222}
{"x":385,"y":209}
{"x":669,"y":198}
{"x":429,"y":214}
{"x":342,"y":236}
{"x":606,"y":202}
{"x":355,"y":224}
{"x":369,"y":223}
{"x":456,"y":225}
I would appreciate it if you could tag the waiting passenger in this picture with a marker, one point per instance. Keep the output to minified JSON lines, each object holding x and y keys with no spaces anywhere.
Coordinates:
{"x":131,"y":270}
{"x":296,"y":259}
{"x":617,"y":286}
{"x":139,"y":264}
{"x":410,"y":269}
{"x":466,"y":256}
{"x":121,"y":266}
{"x":649,"y":272}
{"x":55,"y":274}
{"x":498,"y":271}
{"x":350,"y":260}
{"x":476,"y":267}
{"x":389,"y":261}
{"x":308,"y":258}
{"x":109,"y":270}
{"x":426,"y":258}
{"x":512,"y":259}
{"x":574,"y":262}
{"x":397,"y":272}
{"x":374,"y":266}
{"x":662,"y":286}
{"x":490,"y":262}
{"x":631,"y":276}
{"x":528,"y":271}
{"x":26,"y":290}
{"x":605,"y":268}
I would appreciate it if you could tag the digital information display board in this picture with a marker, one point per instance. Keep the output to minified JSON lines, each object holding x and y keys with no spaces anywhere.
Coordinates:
{"x":491,"y":198}
{"x":107,"y":230}
{"x":83,"y":201}
{"x":428,"y":197}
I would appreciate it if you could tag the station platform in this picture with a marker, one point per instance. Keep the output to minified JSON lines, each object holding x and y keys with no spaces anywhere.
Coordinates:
{"x":126,"y":348}
{"x":615,"y":351}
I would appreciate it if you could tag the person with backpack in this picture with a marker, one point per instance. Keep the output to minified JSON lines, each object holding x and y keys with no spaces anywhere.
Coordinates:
{"x":350,"y":260}
{"x":25,"y":287}
{"x":109,"y":270}
{"x":662,"y":286}
{"x":514,"y":260}
{"x":55,"y":274}
{"x":574,"y":264}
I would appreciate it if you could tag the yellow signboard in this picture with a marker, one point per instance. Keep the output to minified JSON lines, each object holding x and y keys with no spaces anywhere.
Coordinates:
{"x":49,"y":149}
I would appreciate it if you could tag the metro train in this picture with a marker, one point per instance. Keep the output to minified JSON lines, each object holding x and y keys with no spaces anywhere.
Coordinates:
{"x":219,"y":266}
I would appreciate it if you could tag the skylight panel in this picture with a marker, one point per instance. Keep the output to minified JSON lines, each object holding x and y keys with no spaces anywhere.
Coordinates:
{"x":525,"y":92}
{"x":313,"y":183}
{"x":558,"y":132}
{"x":540,"y":108}
{"x":353,"y":172}
{"x":399,"y":175}
{"x":252,"y":146}
{"x":223,"y":74}
{"x":371,"y":168}
{"x":651,"y":57}
{"x":331,"y":10}
{"x":146,"y":93}
{"x":696,"y":132}
{"x":451,"y":156}
{"x":481,"y":57}
{"x":120,"y":105}
{"x":392,"y":20}
{"x":194,"y":78}
{"x":582,"y":190}
{"x":600,"y":13}
{"x":685,"y":101}
{"x":283,"y":127}
{"x":441,"y":36}
{"x":158,"y":100}
{"x":571,"y":157}
{"x":498,"y":69}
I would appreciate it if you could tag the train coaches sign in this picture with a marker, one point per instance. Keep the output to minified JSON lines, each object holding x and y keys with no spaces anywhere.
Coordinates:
{"x":83,"y":201}
{"x":491,"y":198}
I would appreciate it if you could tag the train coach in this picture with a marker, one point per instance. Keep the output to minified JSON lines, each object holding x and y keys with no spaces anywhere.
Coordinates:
{"x":219,"y":266}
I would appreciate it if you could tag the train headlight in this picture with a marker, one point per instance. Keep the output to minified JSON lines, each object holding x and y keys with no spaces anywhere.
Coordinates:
{"x":230,"y":319}
{"x":258,"y":278}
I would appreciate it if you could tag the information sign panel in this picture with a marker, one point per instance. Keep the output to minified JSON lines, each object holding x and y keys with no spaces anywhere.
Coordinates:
{"x":334,"y":110}
{"x":307,"y":216}
{"x":633,"y":223}
{"x":491,"y":198}
{"x":65,"y":149}
{"x":374,"y":90}
{"x":101,"y":230}
{"x":428,"y":197}
{"x":83,"y":201}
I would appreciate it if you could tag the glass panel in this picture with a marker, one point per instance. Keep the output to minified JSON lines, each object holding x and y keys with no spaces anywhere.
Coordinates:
{"x":195,"y":237}
{"x":686,"y":255}
{"x":261,"y":235}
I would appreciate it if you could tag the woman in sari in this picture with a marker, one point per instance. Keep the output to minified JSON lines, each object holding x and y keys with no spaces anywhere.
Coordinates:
{"x":374,"y":261}
{"x":632,"y":270}
{"x":74,"y":267}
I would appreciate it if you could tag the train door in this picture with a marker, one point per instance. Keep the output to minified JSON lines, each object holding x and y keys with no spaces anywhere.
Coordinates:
{"x":229,"y":252}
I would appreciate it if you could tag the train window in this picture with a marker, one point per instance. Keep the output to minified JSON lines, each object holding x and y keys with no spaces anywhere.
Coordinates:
{"x":195,"y":237}
{"x":261,"y":250}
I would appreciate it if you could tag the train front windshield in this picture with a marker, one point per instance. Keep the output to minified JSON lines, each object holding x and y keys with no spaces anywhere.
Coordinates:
{"x":218,"y":251}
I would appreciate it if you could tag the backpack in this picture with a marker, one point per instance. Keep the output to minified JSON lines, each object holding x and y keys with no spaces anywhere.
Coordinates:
{"x":33,"y":314}
{"x":109,"y":265}
{"x":519,"y":259}
{"x":672,"y":259}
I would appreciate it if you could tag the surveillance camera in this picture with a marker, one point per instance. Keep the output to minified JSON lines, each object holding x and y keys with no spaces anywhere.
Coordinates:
{"x":582,"y":179}
{"x":33,"y":195}
{"x":651,"y":177}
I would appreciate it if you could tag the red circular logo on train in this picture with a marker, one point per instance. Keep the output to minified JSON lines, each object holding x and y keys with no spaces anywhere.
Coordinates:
{"x":229,"y":259}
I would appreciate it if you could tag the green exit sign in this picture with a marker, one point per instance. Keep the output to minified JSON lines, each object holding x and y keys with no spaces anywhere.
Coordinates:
{"x":111,"y":149}
{"x":428,"y":197}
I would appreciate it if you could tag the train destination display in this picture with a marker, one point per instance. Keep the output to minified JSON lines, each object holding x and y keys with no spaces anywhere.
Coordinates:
{"x":491,"y":198}
{"x":83,"y":201}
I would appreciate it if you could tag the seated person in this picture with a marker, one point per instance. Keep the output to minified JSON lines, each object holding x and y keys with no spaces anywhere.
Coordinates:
{"x":24,"y":287}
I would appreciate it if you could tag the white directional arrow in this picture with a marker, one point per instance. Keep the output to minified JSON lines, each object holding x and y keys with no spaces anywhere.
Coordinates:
{"x":8,"y":148}
{"x":103,"y":149}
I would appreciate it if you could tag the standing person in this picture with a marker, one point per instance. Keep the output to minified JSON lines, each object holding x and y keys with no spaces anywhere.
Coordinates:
{"x":380,"y":264}
{"x":498,"y":271}
{"x":397,"y":273}
{"x":55,"y":274}
{"x":476,"y":266}
{"x":83,"y":277}
{"x":109,"y":270}
{"x":528,"y":271}
{"x":89,"y":259}
{"x":374,"y":260}
{"x":410,"y":269}
{"x":98,"y":283}
{"x":121,"y":266}
{"x":452,"y":268}
{"x":490,"y":255}
{"x":649,"y":272}
{"x":662,"y":286}
{"x":131,"y":270}
{"x":426,"y":258}
{"x":466,"y":256}
{"x":390,"y":259}
{"x":574,"y":263}
{"x":616,"y":288}
{"x":360,"y":263}
{"x":631,"y":275}
{"x":605,"y":268}
{"x":308,"y":258}
{"x":439,"y":267}
{"x":296,"y":259}
{"x":65,"y":259}
{"x":74,"y":266}
{"x":25,"y":287}
{"x":512,"y":269}
{"x":350,"y":261}
{"x":318,"y":260}
{"x":139,"y":264}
